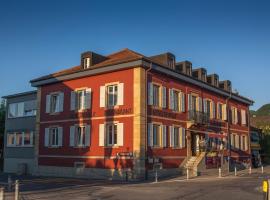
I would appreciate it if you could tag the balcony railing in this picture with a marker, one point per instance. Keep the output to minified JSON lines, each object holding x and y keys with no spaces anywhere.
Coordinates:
{"x":198,"y":117}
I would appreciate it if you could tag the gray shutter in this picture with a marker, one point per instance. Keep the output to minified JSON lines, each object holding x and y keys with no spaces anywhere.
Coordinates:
{"x":171,"y":136}
{"x":150,"y":134}
{"x":164,"y":134}
{"x":189,"y":102}
{"x":87,"y":135}
{"x":200,"y":104}
{"x":60,"y":136}
{"x":61,"y":102}
{"x":218,"y":111}
{"x":183,"y":102}
{"x":150,"y":93}
{"x":31,"y":137}
{"x":101,"y":135}
{"x":120,"y":97}
{"x":183,"y":137}
{"x":72,"y":136}
{"x":214,"y":109}
{"x":48,"y":103}
{"x":87,"y":98}
{"x":205,"y":106}
{"x":120,"y":134}
{"x":171,"y":99}
{"x":46,"y":137}
{"x":72,"y":100}
{"x":164,"y":97}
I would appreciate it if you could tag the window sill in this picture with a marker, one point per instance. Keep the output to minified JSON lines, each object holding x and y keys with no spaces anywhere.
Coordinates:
{"x":54,"y":147}
{"x":54,"y":113}
{"x":113,"y":146}
{"x":112,"y":107}
{"x":26,"y":146}
{"x":80,"y":147}
{"x":21,"y":117}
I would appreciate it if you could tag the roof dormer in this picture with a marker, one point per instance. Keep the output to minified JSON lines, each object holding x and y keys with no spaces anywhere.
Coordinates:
{"x":89,"y":58}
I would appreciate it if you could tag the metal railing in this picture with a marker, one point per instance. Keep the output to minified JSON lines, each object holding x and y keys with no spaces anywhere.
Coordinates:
{"x":198,"y":117}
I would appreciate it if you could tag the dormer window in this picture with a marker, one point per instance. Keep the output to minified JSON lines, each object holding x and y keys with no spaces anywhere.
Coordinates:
{"x":86,"y":63}
{"x":171,"y":63}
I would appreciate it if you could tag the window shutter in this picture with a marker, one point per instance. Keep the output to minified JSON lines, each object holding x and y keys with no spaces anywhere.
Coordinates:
{"x":164,"y":97}
{"x":120,"y":134}
{"x":87,"y":135}
{"x":224,"y":112}
{"x":189,"y":102}
{"x":87,"y":98}
{"x":183,"y":102}
{"x":164,"y":134}
{"x":60,"y":136}
{"x":72,"y":100}
{"x":150,"y":93}
{"x":246,"y":143}
{"x":200,"y":104}
{"x":205,"y":106}
{"x":72,"y":136}
{"x":150,"y":134}
{"x":236,"y":116}
{"x":31,"y":137}
{"x":172,"y":136}
{"x":60,"y":102}
{"x":120,"y":98}
{"x":101,"y":135}
{"x":46,"y":137}
{"x":171,"y":99}
{"x":102,"y":97}
{"x":213,"y":110}
{"x":243,"y":117}
{"x":48,"y":103}
{"x":218,"y":111}
{"x":183,"y":138}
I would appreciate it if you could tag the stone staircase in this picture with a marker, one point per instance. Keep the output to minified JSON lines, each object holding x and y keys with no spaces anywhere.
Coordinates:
{"x":193,"y":162}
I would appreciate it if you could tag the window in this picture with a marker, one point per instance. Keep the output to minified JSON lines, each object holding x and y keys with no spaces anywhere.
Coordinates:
{"x":54,"y":102}
{"x":157,"y":135}
{"x":207,"y":106}
{"x":111,"y":134}
{"x":22,"y":109}
{"x":53,"y":137}
{"x":86,"y":63}
{"x":156,"y":95}
{"x":219,"y":111}
{"x":20,"y":139}
{"x":243,"y":117}
{"x":234,"y":115}
{"x":112,"y":93}
{"x":177,"y":137}
{"x":80,"y":99}
{"x":79,"y":136}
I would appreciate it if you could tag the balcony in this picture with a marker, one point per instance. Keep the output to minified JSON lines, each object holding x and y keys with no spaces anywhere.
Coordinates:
{"x":198,"y":117}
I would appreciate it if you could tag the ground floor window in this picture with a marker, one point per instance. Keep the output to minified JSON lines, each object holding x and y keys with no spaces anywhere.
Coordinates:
{"x":111,"y":134}
{"x":177,"y":137}
{"x":20,"y":139}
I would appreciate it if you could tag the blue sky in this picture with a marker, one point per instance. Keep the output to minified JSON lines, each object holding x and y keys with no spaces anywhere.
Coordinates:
{"x":230,"y":38}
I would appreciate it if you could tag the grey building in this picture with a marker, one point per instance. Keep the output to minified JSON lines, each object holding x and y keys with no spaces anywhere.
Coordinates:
{"x":19,"y":151}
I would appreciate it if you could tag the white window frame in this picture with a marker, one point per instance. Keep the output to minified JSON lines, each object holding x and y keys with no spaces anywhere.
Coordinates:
{"x":53,"y":134}
{"x":78,"y":130}
{"x":112,"y":94}
{"x":156,"y":95}
{"x":22,"y":135}
{"x":113,"y":134}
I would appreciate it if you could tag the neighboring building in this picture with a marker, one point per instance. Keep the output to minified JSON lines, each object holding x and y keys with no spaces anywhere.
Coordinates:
{"x":19,"y":154}
{"x":255,"y":140}
{"x":128,"y":112}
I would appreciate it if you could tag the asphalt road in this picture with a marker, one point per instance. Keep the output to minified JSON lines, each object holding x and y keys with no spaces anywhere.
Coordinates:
{"x":243,"y":188}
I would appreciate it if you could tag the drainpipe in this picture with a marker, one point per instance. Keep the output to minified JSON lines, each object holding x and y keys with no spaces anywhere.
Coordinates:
{"x":146,"y":110}
{"x":228,"y":130}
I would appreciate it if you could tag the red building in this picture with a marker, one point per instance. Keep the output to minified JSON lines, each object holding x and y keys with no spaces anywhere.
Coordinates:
{"x":126,"y":113}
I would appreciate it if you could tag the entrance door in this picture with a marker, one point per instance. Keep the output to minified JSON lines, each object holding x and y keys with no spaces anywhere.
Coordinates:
{"x":195,"y":144}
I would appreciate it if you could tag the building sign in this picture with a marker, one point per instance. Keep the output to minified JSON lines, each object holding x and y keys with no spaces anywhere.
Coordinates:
{"x":121,"y":111}
{"x":165,"y":114}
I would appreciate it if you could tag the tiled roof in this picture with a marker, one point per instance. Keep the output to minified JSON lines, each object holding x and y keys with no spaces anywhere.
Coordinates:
{"x":125,"y":55}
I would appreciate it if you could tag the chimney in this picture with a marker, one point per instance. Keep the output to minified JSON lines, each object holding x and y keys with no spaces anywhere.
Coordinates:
{"x":90,"y":58}
{"x":213,"y":79}
{"x":167,"y":59}
{"x":200,"y":74}
{"x":184,"y":67}
{"x":226,"y":85}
